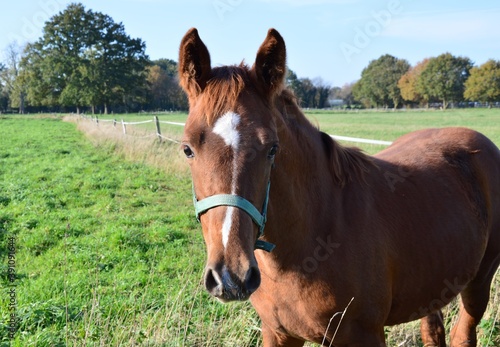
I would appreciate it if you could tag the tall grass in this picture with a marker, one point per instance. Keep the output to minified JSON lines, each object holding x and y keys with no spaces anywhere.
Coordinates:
{"x":138,"y":145}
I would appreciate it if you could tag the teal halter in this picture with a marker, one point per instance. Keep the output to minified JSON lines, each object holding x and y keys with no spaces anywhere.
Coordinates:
{"x":241,"y":203}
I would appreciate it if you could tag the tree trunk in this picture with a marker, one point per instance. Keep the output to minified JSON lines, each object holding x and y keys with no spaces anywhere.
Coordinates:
{"x":105,"y":108}
{"x":21,"y":103}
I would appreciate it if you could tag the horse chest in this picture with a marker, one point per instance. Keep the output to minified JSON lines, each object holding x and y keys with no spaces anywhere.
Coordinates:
{"x":295,"y":308}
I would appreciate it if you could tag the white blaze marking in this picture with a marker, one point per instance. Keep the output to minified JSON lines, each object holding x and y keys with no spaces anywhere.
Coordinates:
{"x":226,"y":127}
{"x":226,"y":227}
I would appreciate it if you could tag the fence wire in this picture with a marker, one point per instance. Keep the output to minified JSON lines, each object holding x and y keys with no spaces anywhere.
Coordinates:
{"x":162,"y":137}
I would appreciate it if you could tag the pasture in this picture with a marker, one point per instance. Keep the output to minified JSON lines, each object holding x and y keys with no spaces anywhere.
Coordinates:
{"x":107,"y":249}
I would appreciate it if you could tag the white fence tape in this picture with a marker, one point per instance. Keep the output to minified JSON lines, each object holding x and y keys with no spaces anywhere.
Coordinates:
{"x":136,"y":123}
{"x":357,"y":139}
{"x":336,"y":137}
{"x":172,"y":123}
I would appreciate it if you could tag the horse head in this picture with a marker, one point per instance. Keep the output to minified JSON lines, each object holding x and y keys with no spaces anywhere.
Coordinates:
{"x":230,"y":142}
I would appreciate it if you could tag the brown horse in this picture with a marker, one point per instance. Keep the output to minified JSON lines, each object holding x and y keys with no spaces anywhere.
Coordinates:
{"x":361,"y":242}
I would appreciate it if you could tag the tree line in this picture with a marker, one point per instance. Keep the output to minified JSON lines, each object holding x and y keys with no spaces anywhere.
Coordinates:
{"x":391,"y":82}
{"x":85,"y":61}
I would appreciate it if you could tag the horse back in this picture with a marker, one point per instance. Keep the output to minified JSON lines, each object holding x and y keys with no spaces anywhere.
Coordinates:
{"x":454,"y":158}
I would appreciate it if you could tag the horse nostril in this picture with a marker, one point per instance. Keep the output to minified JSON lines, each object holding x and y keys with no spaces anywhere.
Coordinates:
{"x":252,"y":279}
{"x":225,"y":287}
{"x":213,"y":282}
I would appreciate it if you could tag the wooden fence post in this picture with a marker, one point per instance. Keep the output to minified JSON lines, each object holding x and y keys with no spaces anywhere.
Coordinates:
{"x":158,"y":131}
{"x":124,"y":128}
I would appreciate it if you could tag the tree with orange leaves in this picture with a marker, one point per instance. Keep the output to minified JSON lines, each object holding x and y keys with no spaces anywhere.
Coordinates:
{"x":410,"y":86}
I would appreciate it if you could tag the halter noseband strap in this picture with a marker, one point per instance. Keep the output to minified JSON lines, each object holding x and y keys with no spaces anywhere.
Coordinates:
{"x":241,"y":203}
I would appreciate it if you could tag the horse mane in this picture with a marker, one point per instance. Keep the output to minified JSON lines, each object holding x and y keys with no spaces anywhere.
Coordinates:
{"x":345,"y":163}
{"x":223,"y":89}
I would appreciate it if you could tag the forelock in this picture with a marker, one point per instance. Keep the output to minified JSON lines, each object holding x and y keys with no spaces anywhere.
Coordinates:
{"x":223,"y":90}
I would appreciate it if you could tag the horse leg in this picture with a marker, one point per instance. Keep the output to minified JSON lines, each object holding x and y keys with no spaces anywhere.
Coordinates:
{"x":363,"y":338}
{"x":474,"y":300}
{"x":432,"y":330}
{"x":372,"y":341}
{"x":274,"y":339}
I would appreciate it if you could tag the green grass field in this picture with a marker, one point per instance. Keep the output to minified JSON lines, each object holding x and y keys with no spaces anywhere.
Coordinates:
{"x":107,"y":250}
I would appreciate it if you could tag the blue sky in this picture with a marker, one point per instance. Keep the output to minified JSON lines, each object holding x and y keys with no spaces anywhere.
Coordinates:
{"x":329,"y":39}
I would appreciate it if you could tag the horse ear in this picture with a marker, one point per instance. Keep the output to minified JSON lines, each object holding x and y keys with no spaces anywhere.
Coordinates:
{"x":270,"y":63}
{"x":194,"y":63}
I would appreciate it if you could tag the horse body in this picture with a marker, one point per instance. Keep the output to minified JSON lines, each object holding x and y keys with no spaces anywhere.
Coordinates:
{"x":361,"y":242}
{"x":421,"y":251}
{"x":401,"y":216}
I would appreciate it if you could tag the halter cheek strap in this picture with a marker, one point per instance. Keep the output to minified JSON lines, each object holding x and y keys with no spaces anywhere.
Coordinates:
{"x":237,"y":201}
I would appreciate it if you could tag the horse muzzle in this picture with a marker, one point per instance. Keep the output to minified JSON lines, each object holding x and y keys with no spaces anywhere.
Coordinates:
{"x":226,"y":286}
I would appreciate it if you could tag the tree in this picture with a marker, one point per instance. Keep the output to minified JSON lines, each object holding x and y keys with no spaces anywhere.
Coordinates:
{"x":335,"y":92}
{"x":362,"y":94}
{"x":410,"y":86}
{"x":165,"y":93}
{"x":378,"y":85}
{"x":39,"y":87}
{"x":322,"y":93}
{"x":158,"y":82}
{"x":4,"y":101}
{"x":292,"y":81}
{"x":346,"y":94}
{"x":310,"y":94}
{"x":444,"y":78}
{"x":85,"y":58}
{"x":4,"y":97}
{"x":483,"y":83}
{"x":174,"y":96}
{"x":306,"y":92}
{"x":8,"y":75}
{"x":168,"y":65}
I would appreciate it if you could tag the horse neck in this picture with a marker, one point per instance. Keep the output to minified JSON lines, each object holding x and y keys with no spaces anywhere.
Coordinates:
{"x":302,"y":188}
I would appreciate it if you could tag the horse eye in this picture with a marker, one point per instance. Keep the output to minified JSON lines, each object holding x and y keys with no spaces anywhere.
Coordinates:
{"x":272,"y":152}
{"x":187,"y":151}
